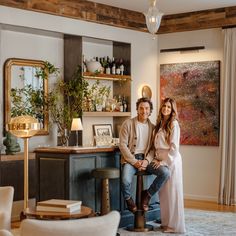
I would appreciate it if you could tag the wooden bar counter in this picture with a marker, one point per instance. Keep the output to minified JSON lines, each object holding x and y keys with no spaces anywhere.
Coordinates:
{"x":66,"y":173}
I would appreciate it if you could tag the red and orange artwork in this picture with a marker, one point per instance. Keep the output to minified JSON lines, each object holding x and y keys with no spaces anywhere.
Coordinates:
{"x":196,"y":89}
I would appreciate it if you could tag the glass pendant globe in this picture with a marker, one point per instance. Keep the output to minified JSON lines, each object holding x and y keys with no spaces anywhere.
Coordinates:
{"x":153,"y":19}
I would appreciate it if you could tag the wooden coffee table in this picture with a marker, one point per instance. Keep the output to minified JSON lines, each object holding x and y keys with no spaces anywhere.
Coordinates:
{"x":46,"y":215}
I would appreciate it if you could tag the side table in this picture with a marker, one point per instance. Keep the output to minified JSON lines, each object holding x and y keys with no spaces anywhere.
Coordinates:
{"x":46,"y":215}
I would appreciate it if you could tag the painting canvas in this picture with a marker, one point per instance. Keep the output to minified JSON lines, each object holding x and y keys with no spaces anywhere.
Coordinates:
{"x":196,"y":89}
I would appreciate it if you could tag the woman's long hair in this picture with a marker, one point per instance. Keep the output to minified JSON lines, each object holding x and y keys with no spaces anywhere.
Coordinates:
{"x":173,"y":116}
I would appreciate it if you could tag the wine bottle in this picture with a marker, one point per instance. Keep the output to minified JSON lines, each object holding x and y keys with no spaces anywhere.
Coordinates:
{"x":125,"y":105}
{"x":113,"y":68}
{"x":122,"y":67}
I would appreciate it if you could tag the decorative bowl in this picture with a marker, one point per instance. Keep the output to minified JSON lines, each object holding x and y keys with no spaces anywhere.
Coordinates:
{"x":93,"y":66}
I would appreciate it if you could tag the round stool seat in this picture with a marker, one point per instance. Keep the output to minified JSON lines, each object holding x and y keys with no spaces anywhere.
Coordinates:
{"x":106,"y":173}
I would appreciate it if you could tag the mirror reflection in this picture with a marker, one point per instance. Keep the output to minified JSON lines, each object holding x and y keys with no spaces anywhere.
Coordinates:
{"x":26,"y":87}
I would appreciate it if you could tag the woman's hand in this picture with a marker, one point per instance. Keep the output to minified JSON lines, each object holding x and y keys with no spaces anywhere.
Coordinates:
{"x":155,"y":163}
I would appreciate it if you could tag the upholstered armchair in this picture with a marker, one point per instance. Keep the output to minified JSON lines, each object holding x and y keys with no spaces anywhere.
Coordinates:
{"x":4,"y":232}
{"x":6,"y":201}
{"x":106,"y":225}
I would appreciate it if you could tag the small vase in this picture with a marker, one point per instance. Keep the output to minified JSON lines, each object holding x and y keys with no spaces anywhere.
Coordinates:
{"x":98,"y":107}
{"x":63,"y":138}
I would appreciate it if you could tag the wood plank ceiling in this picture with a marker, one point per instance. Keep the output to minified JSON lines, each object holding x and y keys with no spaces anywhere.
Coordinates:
{"x":113,"y":16}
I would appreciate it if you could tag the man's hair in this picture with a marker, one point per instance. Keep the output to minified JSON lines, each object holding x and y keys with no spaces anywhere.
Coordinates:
{"x":140,"y":100}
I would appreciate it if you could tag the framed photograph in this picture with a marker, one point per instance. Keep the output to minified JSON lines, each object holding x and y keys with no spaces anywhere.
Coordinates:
{"x":102,"y":130}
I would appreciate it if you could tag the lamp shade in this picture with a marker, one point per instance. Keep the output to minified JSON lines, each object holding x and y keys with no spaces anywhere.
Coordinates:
{"x":23,"y":126}
{"x":76,"y":124}
{"x":153,"y":18}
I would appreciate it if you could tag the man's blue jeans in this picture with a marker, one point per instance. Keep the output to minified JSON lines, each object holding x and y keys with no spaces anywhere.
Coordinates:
{"x":162,"y":174}
{"x":128,"y":171}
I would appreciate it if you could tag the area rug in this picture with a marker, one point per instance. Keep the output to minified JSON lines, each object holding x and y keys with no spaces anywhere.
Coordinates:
{"x":198,"y":223}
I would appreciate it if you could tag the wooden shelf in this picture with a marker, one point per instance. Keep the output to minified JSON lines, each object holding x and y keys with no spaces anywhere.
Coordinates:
{"x":106,"y":113}
{"x":88,"y":75}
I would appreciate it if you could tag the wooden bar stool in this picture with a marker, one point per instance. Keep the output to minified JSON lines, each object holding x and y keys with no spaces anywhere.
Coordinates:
{"x":105,"y":174}
{"x":139,"y":216}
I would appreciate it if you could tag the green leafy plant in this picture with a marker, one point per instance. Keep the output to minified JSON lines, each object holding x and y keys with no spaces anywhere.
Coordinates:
{"x":64,"y":102}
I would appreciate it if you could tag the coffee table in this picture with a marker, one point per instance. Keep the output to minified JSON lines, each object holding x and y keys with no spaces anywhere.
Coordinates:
{"x":46,"y":215}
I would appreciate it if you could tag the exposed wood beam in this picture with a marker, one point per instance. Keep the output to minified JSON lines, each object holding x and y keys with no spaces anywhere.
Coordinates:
{"x":113,"y":16}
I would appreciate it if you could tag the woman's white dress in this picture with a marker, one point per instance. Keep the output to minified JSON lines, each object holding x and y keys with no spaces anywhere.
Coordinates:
{"x":171,"y":194}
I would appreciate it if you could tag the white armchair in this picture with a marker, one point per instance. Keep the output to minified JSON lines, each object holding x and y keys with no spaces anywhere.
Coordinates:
{"x":6,"y":201}
{"x":4,"y":232}
{"x":106,"y":225}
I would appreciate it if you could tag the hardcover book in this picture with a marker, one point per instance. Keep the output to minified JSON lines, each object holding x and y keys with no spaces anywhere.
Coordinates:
{"x":59,"y":205}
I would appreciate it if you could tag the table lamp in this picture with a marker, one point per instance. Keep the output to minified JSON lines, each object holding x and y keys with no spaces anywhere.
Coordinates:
{"x":24,"y":127}
{"x":76,"y":126}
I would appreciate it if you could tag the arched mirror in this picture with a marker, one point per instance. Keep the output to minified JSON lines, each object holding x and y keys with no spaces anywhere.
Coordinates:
{"x":26,"y":87}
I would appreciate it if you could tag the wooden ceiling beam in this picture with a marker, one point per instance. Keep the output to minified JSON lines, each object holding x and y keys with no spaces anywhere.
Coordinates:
{"x":113,"y":16}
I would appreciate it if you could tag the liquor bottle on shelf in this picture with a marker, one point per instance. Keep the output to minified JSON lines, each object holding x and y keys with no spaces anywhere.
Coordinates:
{"x":125,"y":105}
{"x":107,"y":66}
{"x":113,"y":67}
{"x":117,"y":67}
{"x":120,"y":104}
{"x":122,"y":67}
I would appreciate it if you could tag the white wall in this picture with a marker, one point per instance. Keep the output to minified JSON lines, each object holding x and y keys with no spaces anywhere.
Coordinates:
{"x":201,"y":164}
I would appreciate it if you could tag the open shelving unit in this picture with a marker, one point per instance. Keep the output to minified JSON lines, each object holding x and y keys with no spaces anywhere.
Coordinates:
{"x":74,"y":49}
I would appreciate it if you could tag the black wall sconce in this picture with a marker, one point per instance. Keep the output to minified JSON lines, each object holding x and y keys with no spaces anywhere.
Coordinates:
{"x":185,"y":49}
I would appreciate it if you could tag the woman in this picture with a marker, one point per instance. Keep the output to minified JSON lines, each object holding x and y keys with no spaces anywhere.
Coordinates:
{"x":166,"y":144}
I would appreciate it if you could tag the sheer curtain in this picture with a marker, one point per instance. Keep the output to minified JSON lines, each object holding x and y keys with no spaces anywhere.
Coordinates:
{"x":227,"y":193}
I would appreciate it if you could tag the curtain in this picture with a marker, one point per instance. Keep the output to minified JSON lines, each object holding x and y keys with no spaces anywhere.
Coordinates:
{"x":228,"y":120}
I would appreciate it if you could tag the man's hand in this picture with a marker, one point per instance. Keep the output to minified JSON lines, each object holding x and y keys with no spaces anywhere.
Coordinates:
{"x":138,"y":164}
{"x":144,"y":164}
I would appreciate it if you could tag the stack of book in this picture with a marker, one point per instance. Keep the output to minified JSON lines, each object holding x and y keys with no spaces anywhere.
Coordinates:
{"x":59,"y":205}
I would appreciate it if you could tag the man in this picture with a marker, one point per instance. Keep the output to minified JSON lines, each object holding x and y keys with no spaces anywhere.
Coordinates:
{"x":135,"y":143}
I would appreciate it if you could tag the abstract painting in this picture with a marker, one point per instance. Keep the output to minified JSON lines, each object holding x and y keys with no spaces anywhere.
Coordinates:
{"x":196,"y":89}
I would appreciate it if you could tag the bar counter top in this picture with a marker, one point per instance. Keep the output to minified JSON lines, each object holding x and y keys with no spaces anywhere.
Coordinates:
{"x":74,"y":149}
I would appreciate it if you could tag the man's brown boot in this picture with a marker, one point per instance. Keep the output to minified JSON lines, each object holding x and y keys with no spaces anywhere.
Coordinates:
{"x":145,"y":199}
{"x":131,"y":205}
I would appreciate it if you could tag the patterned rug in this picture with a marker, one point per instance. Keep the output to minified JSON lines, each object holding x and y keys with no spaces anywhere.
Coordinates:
{"x":198,"y":223}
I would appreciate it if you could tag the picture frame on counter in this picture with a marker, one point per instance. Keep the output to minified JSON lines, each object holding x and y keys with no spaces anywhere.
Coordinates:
{"x":100,"y":130}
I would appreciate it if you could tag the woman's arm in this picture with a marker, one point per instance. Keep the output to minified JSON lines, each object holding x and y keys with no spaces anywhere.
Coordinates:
{"x":174,"y":142}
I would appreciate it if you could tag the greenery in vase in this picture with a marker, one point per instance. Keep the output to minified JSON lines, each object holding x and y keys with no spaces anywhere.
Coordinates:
{"x":65,"y":101}
{"x":97,"y":93}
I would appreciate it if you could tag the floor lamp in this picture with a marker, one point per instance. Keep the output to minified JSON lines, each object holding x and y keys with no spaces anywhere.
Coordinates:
{"x":76,"y":126}
{"x":24,"y":127}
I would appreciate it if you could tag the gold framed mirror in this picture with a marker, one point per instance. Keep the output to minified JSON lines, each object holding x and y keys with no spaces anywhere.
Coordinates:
{"x":26,"y":87}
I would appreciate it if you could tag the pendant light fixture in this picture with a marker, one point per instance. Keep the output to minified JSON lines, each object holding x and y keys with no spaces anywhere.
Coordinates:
{"x":153,"y":17}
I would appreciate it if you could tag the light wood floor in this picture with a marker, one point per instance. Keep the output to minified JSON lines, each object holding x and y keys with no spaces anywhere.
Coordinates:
{"x":209,"y":206}
{"x":193,"y":204}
